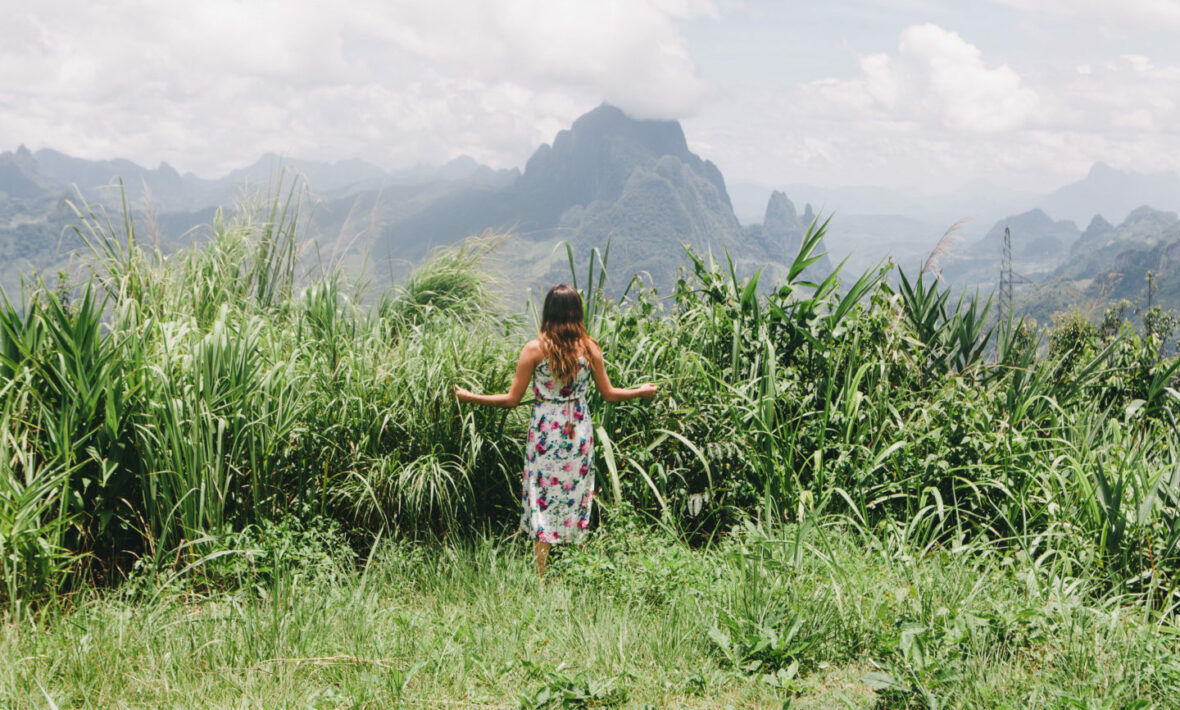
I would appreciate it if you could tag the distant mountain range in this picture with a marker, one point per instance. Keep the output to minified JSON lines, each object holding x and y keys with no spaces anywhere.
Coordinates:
{"x":1113,"y":194}
{"x":976,"y":201}
{"x":608,"y":178}
{"x":1108,"y":263}
{"x":34,"y":220}
{"x":28,"y":175}
{"x":634,"y":184}
{"x":874,"y":223}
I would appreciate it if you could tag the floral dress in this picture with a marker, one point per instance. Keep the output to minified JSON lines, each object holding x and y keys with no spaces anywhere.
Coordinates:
{"x":559,"y":459}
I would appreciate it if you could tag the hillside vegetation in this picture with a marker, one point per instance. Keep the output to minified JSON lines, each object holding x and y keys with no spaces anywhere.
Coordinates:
{"x":196,"y":427}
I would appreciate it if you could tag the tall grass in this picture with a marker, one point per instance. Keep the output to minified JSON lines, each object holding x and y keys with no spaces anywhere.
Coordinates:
{"x":177,"y":399}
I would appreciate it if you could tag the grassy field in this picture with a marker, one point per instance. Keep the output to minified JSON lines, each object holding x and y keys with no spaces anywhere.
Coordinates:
{"x":813,"y":615}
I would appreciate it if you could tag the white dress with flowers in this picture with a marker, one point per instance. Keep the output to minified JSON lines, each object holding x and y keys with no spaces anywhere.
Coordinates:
{"x":559,"y":459}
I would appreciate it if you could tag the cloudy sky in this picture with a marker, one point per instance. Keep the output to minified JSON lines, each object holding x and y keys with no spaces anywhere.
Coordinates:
{"x":910,"y":93}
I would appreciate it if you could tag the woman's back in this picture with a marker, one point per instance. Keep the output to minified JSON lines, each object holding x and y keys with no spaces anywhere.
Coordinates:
{"x":548,"y":388}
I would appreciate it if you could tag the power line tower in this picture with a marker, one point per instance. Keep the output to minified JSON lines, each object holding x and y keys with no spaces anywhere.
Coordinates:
{"x":1006,"y":278}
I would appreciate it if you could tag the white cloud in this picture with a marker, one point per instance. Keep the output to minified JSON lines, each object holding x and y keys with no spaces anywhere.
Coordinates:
{"x":1138,"y":62}
{"x":881,"y":79}
{"x":210,"y":85}
{"x":937,"y":76}
{"x":630,"y":52}
{"x":961,"y":87}
{"x":1140,"y":14}
{"x":1135,"y":94}
{"x":938,"y":111}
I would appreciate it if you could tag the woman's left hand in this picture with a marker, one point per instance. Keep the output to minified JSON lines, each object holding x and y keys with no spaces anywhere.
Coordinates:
{"x":461,"y":394}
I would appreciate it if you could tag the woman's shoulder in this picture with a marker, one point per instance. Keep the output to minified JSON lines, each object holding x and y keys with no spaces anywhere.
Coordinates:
{"x":593,"y":350}
{"x":533,"y":351}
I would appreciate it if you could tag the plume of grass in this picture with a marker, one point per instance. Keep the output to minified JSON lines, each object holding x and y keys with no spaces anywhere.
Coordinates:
{"x":933,"y":261}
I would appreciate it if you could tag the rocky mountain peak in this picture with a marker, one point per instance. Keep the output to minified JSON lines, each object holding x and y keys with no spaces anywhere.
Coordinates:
{"x":1114,"y":193}
{"x":780,"y":213}
{"x":594,"y":158}
{"x":1146,"y":212}
{"x":610,"y":123}
{"x":808,"y":216}
{"x":1098,"y":225}
{"x":1101,"y":170}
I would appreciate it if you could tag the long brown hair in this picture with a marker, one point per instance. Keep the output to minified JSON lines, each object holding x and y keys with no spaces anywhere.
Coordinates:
{"x":563,"y":335}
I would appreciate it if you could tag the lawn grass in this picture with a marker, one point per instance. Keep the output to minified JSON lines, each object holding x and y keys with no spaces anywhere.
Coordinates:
{"x":804,"y":617}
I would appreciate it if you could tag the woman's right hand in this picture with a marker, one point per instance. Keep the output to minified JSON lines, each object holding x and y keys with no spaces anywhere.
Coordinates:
{"x":647,"y":390}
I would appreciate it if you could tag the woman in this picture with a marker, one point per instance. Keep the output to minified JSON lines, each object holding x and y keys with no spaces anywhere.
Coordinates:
{"x":559,"y":455}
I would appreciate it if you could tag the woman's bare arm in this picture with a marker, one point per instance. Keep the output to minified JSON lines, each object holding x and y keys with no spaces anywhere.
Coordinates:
{"x":609,"y":392}
{"x":530,"y":356}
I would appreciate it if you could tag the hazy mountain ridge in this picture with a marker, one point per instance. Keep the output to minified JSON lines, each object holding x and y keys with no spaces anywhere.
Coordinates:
{"x":978,"y":202}
{"x":874,"y":223}
{"x":25,"y":174}
{"x":609,"y":178}
{"x":1110,"y":263}
{"x":1035,"y":237}
{"x":1113,"y":193}
{"x":34,"y":219}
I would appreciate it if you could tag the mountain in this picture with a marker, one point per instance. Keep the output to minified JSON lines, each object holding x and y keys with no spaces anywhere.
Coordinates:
{"x":1108,"y":263}
{"x":345,"y":177}
{"x":872,"y":223}
{"x":66,"y":170}
{"x":461,"y":169}
{"x":1113,"y":193}
{"x":609,"y":177}
{"x":322,"y":177}
{"x":637,"y":185}
{"x":1035,"y":238}
{"x":1102,"y":246}
{"x":978,"y":201}
{"x":34,"y":221}
{"x":20,"y":177}
{"x":781,"y":232}
{"x":1039,"y":245}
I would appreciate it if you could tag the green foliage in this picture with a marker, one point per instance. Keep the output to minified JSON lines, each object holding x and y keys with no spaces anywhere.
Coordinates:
{"x":636,"y":563}
{"x":171,"y":404}
{"x":1160,"y":324}
{"x":34,"y":519}
{"x":1073,"y":340}
{"x":870,"y":622}
{"x":560,"y":690}
{"x":452,"y":284}
{"x":307,"y":548}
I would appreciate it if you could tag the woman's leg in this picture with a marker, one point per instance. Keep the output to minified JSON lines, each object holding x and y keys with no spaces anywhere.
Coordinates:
{"x":541,"y":553}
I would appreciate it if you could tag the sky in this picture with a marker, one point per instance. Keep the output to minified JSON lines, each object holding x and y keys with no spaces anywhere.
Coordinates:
{"x":914,"y":94}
